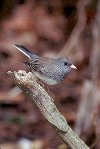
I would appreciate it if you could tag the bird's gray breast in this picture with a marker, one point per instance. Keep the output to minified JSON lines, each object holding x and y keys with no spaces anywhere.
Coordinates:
{"x":50,"y":73}
{"x":54,"y":72}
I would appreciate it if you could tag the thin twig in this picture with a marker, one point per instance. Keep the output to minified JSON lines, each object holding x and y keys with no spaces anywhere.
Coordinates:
{"x":74,"y":38}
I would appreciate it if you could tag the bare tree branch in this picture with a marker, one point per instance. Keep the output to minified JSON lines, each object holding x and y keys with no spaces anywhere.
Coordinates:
{"x":30,"y":86}
{"x":87,"y":117}
{"x":95,"y":54}
{"x":79,"y":27}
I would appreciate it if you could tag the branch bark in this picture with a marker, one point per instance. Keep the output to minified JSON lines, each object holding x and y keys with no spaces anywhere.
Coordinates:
{"x":31,"y":87}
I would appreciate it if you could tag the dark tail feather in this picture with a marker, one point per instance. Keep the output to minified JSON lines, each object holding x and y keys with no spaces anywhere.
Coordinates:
{"x":25,"y":51}
{"x":27,"y":63}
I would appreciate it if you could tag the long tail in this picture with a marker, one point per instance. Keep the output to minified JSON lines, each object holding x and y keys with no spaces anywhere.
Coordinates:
{"x":25,"y":51}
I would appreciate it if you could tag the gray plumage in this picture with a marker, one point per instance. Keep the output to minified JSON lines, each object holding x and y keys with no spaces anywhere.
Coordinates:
{"x":49,"y":70}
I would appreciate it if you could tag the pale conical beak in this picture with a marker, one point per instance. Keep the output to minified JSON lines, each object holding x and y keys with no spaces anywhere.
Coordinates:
{"x":73,"y":67}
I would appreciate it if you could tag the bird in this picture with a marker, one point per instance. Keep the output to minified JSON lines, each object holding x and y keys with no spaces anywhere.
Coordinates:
{"x":51,"y":71}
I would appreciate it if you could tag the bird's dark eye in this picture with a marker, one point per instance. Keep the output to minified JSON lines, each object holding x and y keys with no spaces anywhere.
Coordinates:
{"x":65,"y":63}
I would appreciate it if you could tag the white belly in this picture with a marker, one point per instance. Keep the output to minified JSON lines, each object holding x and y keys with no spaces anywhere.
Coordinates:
{"x":45,"y":79}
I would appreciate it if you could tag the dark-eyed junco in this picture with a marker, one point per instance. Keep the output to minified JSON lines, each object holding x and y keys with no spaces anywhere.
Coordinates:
{"x":49,"y":70}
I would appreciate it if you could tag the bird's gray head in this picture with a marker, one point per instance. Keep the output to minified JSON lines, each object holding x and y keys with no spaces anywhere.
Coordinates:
{"x":64,"y":65}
